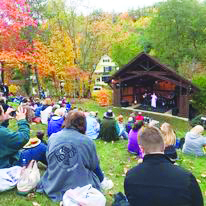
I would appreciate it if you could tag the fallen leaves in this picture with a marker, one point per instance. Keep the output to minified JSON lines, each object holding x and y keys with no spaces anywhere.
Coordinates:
{"x":30,"y":196}
{"x":203,"y":175}
{"x":35,"y":204}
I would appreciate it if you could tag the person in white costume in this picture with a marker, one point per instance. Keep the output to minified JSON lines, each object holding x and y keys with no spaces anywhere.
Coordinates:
{"x":154,"y":100}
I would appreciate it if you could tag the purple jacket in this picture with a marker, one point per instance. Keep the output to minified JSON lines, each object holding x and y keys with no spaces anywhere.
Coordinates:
{"x":133,"y":146}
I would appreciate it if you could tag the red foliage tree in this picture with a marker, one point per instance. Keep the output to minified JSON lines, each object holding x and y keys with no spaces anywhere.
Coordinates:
{"x":14,"y":16}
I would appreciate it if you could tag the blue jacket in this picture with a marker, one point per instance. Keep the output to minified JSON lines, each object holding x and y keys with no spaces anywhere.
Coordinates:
{"x":37,"y":153}
{"x":55,"y":125}
{"x":11,"y":142}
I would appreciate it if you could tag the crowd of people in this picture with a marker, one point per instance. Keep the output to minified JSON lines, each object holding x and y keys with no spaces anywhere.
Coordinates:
{"x":72,"y":161}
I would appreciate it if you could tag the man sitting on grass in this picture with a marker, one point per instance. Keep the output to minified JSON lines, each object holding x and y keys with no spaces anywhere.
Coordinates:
{"x":11,"y":142}
{"x":156,"y":181}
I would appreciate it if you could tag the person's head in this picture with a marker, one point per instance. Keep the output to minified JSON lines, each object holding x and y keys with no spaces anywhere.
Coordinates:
{"x":120,"y":119}
{"x":139,"y":113}
{"x":137,"y":125}
{"x":40,"y":135}
{"x":47,"y":101}
{"x":130,"y":119}
{"x":55,"y":107}
{"x":92,"y":114}
{"x":29,"y":113}
{"x":59,"y":112}
{"x":168,"y":134}
{"x":76,"y":120}
{"x":25,"y":100}
{"x":198,"y":129}
{"x":109,"y":114}
{"x":151,"y":140}
{"x":2,"y":100}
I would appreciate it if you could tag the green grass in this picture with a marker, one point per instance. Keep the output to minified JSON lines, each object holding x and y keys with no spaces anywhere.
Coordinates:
{"x":114,"y":160}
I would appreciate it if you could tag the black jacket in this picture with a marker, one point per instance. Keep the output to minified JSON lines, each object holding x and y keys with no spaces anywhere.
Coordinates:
{"x":157,"y":182}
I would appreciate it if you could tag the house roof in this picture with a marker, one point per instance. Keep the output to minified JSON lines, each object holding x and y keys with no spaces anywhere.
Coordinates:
{"x":145,"y":65}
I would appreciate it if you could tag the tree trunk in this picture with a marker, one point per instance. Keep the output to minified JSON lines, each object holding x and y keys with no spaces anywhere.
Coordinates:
{"x":2,"y":72}
{"x":37,"y":80}
{"x":27,"y":84}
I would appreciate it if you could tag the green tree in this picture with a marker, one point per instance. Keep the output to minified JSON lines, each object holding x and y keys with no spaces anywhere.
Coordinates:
{"x":178,"y":30}
{"x":199,"y":99}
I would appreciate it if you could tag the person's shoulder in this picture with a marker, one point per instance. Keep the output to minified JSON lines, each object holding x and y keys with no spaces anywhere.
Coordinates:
{"x":4,"y":131}
{"x":180,"y":171}
{"x":134,"y":170}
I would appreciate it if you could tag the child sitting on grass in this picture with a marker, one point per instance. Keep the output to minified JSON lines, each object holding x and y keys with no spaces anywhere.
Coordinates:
{"x":35,"y":149}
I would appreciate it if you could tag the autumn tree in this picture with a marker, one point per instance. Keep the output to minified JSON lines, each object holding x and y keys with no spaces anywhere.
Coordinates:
{"x":129,"y":37}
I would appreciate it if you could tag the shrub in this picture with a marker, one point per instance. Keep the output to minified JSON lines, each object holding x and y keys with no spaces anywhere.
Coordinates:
{"x":13,"y":89}
{"x":103,"y":97}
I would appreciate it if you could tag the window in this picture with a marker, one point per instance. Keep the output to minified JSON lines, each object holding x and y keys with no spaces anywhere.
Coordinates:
{"x":105,"y":78}
{"x":106,"y":60}
{"x":107,"y":69}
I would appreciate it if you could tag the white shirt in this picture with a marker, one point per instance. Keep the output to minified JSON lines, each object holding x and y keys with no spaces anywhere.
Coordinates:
{"x":154,"y":100}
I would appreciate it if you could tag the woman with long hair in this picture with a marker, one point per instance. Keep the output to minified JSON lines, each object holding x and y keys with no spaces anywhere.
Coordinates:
{"x":169,"y":138}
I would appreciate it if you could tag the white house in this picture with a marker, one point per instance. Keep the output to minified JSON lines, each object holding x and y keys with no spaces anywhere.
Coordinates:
{"x":104,"y":69}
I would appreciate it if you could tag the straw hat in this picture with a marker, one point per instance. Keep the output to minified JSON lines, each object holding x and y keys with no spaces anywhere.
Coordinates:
{"x":33,"y":142}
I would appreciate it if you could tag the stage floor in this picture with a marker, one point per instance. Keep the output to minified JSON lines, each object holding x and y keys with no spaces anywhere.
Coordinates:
{"x":133,"y":108}
{"x":149,"y":108}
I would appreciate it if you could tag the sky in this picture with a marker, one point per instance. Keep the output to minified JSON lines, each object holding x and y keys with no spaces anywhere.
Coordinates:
{"x":121,"y":5}
{"x":112,"y":5}
{"x":87,"y":6}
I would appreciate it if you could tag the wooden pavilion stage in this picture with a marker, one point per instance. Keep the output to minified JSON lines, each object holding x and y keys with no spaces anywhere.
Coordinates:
{"x":146,"y":75}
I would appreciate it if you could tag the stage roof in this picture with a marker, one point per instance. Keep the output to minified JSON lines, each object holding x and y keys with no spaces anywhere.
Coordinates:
{"x":144,"y":68}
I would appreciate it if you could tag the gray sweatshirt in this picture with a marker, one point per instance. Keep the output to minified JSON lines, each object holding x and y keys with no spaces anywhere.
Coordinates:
{"x":194,"y":144}
{"x":71,"y":158}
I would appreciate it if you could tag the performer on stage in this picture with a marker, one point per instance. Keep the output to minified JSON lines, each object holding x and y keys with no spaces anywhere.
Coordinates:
{"x":153,"y":101}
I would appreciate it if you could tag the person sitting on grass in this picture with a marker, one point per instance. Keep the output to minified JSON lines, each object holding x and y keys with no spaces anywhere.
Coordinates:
{"x":11,"y":142}
{"x":157,"y":181}
{"x":139,"y":117}
{"x":194,"y":141}
{"x":56,"y":122}
{"x":46,"y":110}
{"x":35,"y":149}
{"x":169,"y":138}
{"x":129,"y":124}
{"x":133,"y":146}
{"x":122,"y":132}
{"x":72,"y":159}
{"x":93,"y":126}
{"x":109,"y":128}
